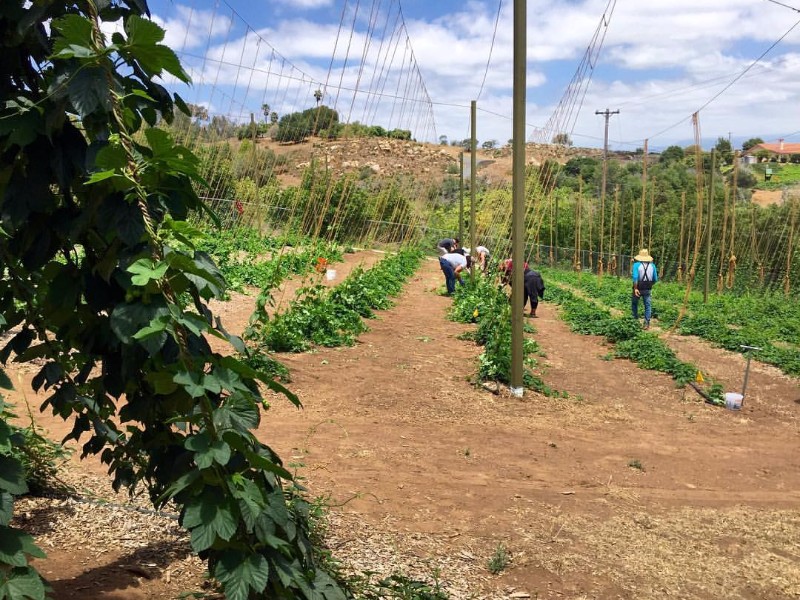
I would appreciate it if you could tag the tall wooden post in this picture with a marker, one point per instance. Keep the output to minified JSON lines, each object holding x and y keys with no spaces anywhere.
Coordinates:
{"x":644,"y":196}
{"x":710,"y":227}
{"x":473,"y":161}
{"x":461,"y":197}
{"x":518,"y":197}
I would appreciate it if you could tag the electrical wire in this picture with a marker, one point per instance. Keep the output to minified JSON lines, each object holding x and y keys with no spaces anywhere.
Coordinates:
{"x":797,"y":10}
{"x":732,"y":82}
{"x":491,"y":49}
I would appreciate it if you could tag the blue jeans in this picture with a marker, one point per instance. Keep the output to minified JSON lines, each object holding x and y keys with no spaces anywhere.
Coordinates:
{"x":648,"y":306}
{"x":449,"y":276}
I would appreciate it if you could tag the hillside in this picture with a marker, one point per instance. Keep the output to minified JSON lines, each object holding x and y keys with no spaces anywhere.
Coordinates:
{"x":391,"y":158}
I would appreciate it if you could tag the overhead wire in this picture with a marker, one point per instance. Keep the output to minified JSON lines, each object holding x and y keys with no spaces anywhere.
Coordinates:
{"x":491,"y":49}
{"x":730,"y":83}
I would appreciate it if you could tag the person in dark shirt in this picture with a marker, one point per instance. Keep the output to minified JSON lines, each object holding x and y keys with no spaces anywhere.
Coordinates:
{"x":533,"y":286}
{"x":534,"y":290}
{"x":447,"y":245}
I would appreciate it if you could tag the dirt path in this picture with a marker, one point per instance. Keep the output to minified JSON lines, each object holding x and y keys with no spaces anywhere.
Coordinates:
{"x":393,"y":428}
{"x":629,"y":488}
{"x":768,"y":388}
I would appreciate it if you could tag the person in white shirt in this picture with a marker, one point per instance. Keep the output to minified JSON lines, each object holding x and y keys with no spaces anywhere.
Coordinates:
{"x":452,"y":265}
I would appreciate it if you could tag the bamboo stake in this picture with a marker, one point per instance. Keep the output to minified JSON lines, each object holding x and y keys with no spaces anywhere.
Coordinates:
{"x":680,"y":243}
{"x":644,"y":196}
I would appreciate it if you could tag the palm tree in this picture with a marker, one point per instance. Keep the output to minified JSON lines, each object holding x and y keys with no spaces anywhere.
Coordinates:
{"x":318,"y":96}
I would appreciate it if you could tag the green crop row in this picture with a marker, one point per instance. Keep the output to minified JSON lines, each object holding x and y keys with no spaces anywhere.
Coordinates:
{"x":240,"y":255}
{"x":769,"y":321}
{"x":642,"y":347}
{"x":333,"y":317}
{"x":486,"y":304}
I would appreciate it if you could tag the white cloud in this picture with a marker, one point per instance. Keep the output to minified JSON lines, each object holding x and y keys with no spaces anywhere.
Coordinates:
{"x":661,"y":61}
{"x":191,"y":28}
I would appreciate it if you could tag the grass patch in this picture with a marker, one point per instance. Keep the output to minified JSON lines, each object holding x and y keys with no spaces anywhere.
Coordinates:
{"x":499,"y":560}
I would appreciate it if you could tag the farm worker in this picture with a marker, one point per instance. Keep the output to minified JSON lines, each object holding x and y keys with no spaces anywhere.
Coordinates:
{"x":506,"y":268}
{"x":644,"y":276}
{"x":480,"y":256}
{"x":446,"y":245}
{"x":483,"y":255}
{"x":533,"y":284}
{"x":452,"y":264}
{"x":534,"y":289}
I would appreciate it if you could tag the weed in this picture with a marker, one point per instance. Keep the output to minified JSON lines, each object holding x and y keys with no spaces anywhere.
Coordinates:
{"x":636,"y":464}
{"x":609,"y":356}
{"x":401,"y":587}
{"x":499,"y":560}
{"x":263,"y":362}
{"x":40,"y":457}
{"x":717,"y":394}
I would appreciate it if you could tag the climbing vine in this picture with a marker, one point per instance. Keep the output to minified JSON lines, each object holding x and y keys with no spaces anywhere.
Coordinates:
{"x":104,"y":285}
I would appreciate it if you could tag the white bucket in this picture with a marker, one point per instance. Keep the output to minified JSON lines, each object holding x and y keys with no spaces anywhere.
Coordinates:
{"x":330,"y":274}
{"x":733,"y":401}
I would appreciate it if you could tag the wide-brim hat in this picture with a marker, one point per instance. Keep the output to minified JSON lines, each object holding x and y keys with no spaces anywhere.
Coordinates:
{"x":643,"y":256}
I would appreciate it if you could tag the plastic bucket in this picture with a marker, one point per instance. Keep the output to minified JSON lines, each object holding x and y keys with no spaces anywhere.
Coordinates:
{"x":330,"y":274}
{"x":733,"y":401}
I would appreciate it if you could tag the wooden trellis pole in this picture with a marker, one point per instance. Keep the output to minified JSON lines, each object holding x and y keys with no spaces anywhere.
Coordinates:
{"x":723,"y":240}
{"x":734,"y":195}
{"x":578,"y":206}
{"x":680,"y":243}
{"x":616,"y":222}
{"x":633,"y":227}
{"x":644,"y":196}
{"x":652,"y":204}
{"x":789,"y":250}
{"x":602,"y":230}
{"x":591,"y":248}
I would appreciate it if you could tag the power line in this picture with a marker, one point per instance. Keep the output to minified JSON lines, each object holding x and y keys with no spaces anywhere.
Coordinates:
{"x":491,"y":48}
{"x":797,"y":10}
{"x":733,"y":81}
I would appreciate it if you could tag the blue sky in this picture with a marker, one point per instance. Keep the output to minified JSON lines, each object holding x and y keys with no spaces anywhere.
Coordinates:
{"x":661,"y":61}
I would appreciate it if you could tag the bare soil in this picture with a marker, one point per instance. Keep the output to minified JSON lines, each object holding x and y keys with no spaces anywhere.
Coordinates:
{"x":766,"y":198}
{"x":626,"y":488}
{"x":423,"y":161}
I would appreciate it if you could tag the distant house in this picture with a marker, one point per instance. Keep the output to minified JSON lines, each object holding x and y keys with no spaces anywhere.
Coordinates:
{"x":776,"y":150}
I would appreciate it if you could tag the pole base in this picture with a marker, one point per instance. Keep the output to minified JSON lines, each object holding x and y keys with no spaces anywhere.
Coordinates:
{"x":517,"y":391}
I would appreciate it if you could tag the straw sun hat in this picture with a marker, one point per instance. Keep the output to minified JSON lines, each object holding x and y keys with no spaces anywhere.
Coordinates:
{"x":643,"y":256}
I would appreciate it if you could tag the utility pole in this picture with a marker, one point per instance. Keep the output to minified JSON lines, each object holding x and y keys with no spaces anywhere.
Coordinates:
{"x":607,"y":114}
{"x":518,"y":198}
{"x":472,"y":171}
{"x":461,"y":197}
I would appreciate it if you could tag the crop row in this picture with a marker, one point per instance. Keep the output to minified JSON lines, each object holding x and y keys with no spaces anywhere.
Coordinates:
{"x":246,"y":257}
{"x":486,"y":304}
{"x":769,"y":321}
{"x":630,"y":341}
{"x":325,"y":316}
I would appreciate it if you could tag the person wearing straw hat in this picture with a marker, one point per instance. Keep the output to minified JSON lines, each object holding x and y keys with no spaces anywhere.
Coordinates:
{"x":644,"y":276}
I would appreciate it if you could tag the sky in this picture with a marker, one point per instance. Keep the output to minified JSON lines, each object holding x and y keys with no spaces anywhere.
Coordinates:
{"x":418,"y":64}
